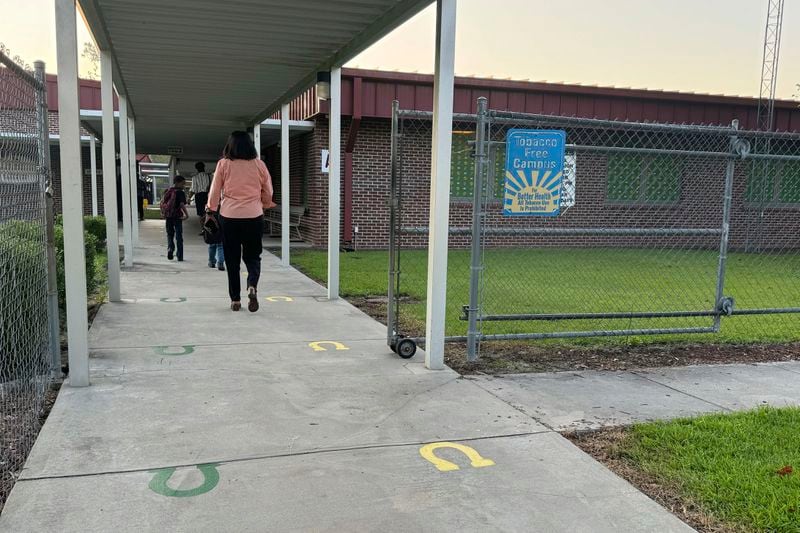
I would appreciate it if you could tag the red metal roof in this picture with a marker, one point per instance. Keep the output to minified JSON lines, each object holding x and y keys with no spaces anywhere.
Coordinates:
{"x":415,"y":91}
{"x":88,"y":91}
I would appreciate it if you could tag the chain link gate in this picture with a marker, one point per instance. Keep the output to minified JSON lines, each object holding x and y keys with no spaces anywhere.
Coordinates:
{"x":663,"y":230}
{"x":29,"y":331}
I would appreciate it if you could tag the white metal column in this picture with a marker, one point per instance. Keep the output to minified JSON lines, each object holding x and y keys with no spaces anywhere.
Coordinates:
{"x":110,"y":176}
{"x":173,"y":163}
{"x":134,"y":180}
{"x":72,"y":192}
{"x":257,"y":139}
{"x":93,"y":162}
{"x":125,"y":170}
{"x":285,"y":193}
{"x":440,"y":183}
{"x":334,"y":184}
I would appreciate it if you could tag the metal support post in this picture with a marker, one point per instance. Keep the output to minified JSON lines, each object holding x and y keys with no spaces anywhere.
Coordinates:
{"x":285,"y":185}
{"x":334,"y":185}
{"x":477,"y":222}
{"x":53,"y":313}
{"x":93,"y":166}
{"x":134,"y":180}
{"x":110,"y":176}
{"x":720,"y":302}
{"x":257,"y":139}
{"x":391,"y":308}
{"x":43,"y":130}
{"x":440,"y":183}
{"x":72,"y":192}
{"x":125,"y":170}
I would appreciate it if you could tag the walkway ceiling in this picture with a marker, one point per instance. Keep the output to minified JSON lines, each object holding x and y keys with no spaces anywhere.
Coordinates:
{"x":193,"y":70}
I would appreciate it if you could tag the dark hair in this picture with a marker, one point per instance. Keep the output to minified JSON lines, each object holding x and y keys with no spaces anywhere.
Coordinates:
{"x":239,"y":146}
{"x":200,"y":166}
{"x":178,"y":179}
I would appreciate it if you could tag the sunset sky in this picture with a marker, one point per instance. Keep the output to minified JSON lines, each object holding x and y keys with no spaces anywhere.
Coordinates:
{"x":712,"y":46}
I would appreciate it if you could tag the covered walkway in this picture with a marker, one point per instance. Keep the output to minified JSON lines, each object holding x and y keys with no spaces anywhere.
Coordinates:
{"x":200,"y":419}
{"x":181,"y":415}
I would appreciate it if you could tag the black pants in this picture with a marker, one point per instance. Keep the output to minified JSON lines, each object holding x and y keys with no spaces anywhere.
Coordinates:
{"x":241,"y":240}
{"x":200,"y":201}
{"x":175,"y":236}
{"x":140,"y":205}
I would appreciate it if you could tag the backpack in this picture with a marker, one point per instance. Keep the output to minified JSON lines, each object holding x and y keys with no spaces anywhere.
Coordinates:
{"x":167,"y":205}
{"x":212,"y":233}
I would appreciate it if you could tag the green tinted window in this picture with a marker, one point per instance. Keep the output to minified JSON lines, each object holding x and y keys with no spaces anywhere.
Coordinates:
{"x":773,"y":182}
{"x":663,"y":180}
{"x":462,"y":165}
{"x":789,"y":190}
{"x":624,"y":177}
{"x":761,"y":182}
{"x":634,"y":178}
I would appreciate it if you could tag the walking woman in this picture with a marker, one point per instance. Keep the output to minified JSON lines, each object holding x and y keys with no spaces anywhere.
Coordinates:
{"x":241,"y":191}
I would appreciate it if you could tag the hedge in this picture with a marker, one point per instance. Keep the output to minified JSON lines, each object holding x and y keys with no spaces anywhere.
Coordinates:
{"x":23,"y":274}
{"x":23,"y":331}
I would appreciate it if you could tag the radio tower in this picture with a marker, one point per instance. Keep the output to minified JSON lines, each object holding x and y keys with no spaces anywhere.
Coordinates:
{"x":769,"y":64}
{"x":762,"y":171}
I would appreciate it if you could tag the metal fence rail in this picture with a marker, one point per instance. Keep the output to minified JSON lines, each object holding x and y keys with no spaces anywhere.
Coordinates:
{"x":666,"y":230}
{"x":29,"y":351}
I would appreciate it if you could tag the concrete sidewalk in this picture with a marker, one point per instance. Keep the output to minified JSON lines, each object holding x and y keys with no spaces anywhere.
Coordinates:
{"x":595,"y":399}
{"x":200,"y":419}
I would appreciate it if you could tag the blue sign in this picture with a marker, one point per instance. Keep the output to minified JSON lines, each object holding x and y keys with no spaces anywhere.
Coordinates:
{"x":534,"y":171}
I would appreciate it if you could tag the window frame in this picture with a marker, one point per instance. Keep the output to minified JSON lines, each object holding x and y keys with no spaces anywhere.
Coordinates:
{"x":641,"y":196}
{"x":775,"y":201}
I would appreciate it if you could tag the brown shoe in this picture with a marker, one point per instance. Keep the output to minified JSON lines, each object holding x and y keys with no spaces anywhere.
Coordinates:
{"x":235,"y":306}
{"x":252,"y":305}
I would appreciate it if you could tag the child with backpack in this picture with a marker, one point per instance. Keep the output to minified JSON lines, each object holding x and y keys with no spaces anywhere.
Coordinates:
{"x":212,"y":235}
{"x":173,"y":210}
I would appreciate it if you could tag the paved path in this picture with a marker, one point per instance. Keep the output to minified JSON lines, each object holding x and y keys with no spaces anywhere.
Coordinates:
{"x":594,"y":399}
{"x":200,"y":419}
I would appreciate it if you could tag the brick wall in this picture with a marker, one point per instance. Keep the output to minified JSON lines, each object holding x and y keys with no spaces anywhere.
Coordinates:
{"x":297,"y":169}
{"x":700,"y":204}
{"x":55,"y":167}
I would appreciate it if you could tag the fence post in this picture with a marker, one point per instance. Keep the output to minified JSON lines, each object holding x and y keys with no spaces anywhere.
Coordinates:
{"x":43,"y":131}
{"x":477,"y":222}
{"x":721,"y":304}
{"x":391,"y":309}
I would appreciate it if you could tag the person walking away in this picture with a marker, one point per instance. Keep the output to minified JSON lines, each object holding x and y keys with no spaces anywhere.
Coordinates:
{"x":141,"y":194}
{"x":241,"y":191}
{"x":212,"y":235}
{"x":201,"y":182}
{"x":173,"y":209}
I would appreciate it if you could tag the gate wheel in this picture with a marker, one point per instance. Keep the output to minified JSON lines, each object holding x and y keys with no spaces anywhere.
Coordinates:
{"x":406,"y":348}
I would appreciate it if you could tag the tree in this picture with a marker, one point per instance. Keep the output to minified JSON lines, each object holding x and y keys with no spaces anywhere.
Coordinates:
{"x":5,"y":50}
{"x":92,"y":55}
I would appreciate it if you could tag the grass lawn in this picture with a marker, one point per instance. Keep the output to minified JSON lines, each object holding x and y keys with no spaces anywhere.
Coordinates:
{"x":743,"y":469}
{"x":152,"y":213}
{"x":101,"y":277}
{"x":588,"y":280}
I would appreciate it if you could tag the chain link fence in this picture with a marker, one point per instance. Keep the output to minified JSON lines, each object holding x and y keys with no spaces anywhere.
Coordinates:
{"x":646,"y":232}
{"x":29,"y":350}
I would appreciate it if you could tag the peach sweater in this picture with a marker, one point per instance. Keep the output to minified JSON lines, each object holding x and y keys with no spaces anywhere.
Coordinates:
{"x":243,"y":186}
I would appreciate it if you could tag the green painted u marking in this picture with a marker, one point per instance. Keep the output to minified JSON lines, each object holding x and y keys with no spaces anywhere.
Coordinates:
{"x":173,"y":300}
{"x":159,"y":482}
{"x":165,"y":350}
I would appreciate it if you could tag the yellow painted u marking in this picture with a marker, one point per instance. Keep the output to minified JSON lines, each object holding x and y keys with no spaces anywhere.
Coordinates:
{"x":318,"y":346}
{"x":476,"y":460}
